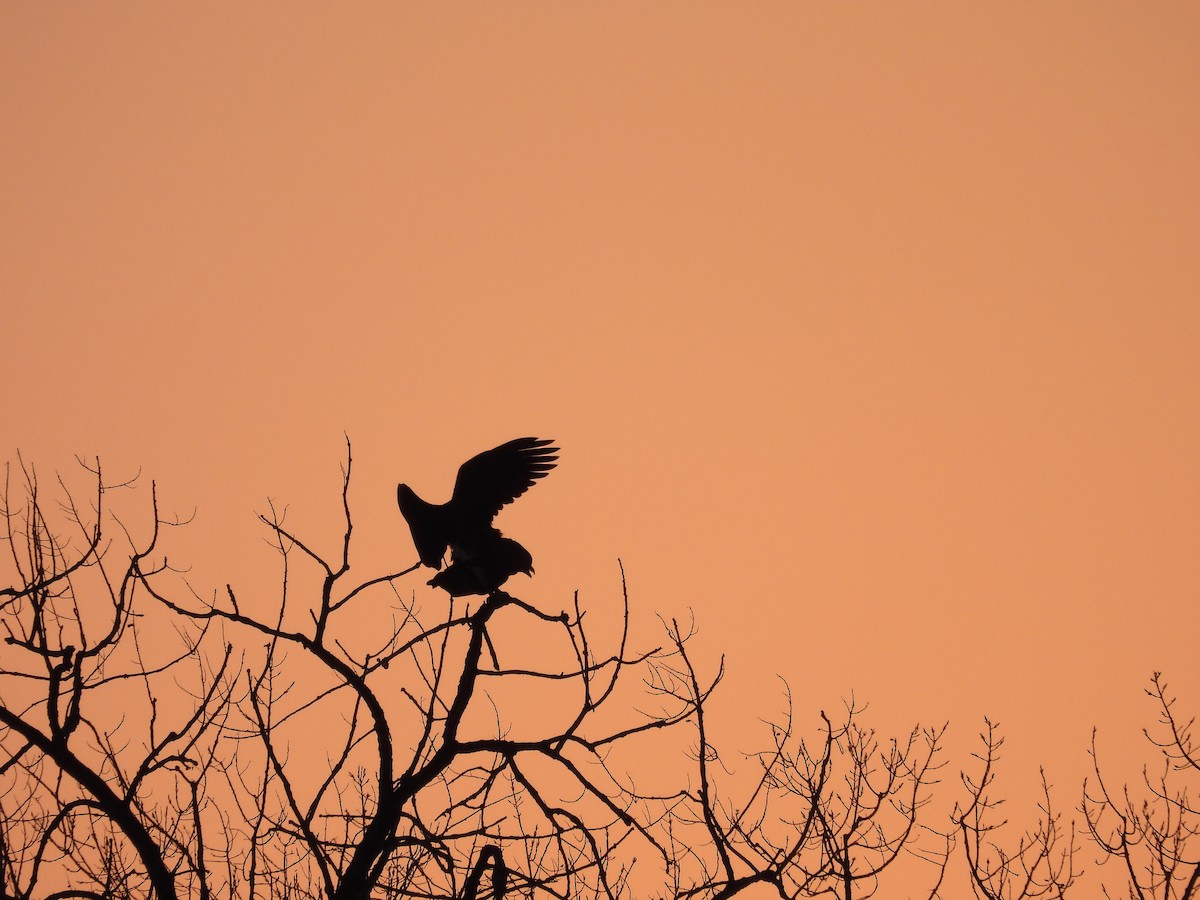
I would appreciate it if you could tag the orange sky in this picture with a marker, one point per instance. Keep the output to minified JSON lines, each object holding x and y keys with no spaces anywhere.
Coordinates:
{"x":869,"y":332}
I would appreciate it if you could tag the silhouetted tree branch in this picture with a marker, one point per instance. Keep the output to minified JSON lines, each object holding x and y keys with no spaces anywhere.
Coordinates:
{"x":76,"y":774}
{"x":1153,"y":833}
{"x":1042,"y":862}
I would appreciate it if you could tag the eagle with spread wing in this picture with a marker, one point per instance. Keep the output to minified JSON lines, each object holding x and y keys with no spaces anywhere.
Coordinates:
{"x":482,"y":559}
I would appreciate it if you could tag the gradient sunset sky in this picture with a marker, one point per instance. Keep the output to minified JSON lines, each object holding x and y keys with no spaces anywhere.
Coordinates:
{"x":869,"y":332}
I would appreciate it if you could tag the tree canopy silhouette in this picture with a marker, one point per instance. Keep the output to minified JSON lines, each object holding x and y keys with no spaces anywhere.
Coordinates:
{"x":159,"y":743}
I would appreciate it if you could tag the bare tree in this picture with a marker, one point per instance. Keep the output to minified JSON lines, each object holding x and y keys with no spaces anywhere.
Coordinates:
{"x":302,"y":765}
{"x":156,"y":742}
{"x":822,"y":816}
{"x":1042,"y":863}
{"x":109,"y":803}
{"x":1153,"y":833}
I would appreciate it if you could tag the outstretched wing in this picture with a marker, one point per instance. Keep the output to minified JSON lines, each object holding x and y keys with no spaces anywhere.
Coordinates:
{"x":499,"y":476}
{"x":427,"y":523}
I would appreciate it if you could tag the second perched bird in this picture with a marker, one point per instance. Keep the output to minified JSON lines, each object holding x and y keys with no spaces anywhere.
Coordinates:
{"x":485,"y":484}
{"x":490,"y":565}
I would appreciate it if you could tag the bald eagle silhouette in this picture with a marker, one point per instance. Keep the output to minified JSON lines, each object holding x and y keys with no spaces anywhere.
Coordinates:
{"x":482,"y":559}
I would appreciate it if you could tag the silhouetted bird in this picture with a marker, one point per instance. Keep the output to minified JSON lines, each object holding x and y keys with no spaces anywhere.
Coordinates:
{"x":492,"y":562}
{"x":485,"y":484}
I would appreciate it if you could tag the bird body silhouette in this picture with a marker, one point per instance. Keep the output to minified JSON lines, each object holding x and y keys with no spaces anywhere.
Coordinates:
{"x":481,"y":557}
{"x":494,"y":560}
